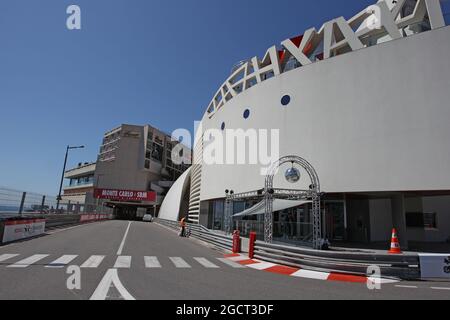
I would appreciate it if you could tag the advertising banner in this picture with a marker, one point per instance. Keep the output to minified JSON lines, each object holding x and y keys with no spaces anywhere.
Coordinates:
{"x":435,"y":266}
{"x":125,"y":195}
{"x":22,"y":229}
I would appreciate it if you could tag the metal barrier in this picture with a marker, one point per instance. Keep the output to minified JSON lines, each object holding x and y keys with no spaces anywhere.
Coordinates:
{"x":396,"y":266}
{"x":27,"y":229}
{"x":17,"y":203}
{"x":399,"y":266}
{"x":201,"y":233}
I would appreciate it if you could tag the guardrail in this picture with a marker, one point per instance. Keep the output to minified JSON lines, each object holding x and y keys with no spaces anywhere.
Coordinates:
{"x":399,"y":266}
{"x":201,"y":233}
{"x":32,"y":225}
{"x":396,"y":266}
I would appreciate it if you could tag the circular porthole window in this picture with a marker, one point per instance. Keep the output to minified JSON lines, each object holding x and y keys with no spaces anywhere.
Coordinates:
{"x":246,"y":114}
{"x":223,"y":126}
{"x":285,"y":100}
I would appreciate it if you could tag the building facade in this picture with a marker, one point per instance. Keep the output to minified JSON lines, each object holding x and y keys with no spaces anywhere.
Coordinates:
{"x":139,"y":160}
{"x":365,"y":101}
{"x":79,"y":189}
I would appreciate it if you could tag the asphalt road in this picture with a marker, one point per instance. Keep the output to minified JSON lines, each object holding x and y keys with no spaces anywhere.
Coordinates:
{"x":175,"y":269}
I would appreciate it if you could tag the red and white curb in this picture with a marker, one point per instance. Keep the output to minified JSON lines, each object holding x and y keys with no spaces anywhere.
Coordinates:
{"x":301,"y":273}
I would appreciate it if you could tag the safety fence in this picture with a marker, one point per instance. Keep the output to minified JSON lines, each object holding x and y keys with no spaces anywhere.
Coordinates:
{"x":34,"y":225}
{"x":201,"y":233}
{"x":405,"y":266}
{"x":16,"y":203}
{"x":398,"y":266}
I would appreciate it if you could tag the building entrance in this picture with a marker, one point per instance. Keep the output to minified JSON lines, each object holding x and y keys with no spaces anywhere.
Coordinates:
{"x":334,"y":212}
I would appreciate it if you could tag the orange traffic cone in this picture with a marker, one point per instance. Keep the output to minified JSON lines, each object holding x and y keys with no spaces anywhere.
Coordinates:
{"x":395,"y":244}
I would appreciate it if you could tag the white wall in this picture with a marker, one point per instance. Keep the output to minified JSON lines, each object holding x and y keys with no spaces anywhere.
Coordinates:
{"x":370,"y":120}
{"x":170,"y":208}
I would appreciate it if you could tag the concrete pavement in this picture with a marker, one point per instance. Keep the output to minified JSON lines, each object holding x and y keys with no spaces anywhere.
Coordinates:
{"x":122,"y":260}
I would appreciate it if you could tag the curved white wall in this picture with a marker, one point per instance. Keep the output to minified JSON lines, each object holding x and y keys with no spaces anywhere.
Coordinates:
{"x":370,"y":120}
{"x":170,"y":208}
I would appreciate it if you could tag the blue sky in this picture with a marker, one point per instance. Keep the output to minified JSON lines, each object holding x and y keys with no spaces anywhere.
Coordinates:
{"x":134,"y":61}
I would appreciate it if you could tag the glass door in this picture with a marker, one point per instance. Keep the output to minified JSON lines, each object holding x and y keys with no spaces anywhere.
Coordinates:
{"x":334,"y":220}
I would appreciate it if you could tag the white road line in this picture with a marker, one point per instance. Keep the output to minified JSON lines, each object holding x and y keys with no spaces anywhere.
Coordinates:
{"x":440,"y":288}
{"x":231,"y":263}
{"x":110,"y":279}
{"x":384,"y":280}
{"x":180,"y":263}
{"x":261,"y":265}
{"x":407,"y":287}
{"x":152,"y":262}
{"x":122,"y":244}
{"x":308,"y":274}
{"x":206,"y":263}
{"x":61,"y":262}
{"x":123,"y":262}
{"x":28,"y":261}
{"x":5,"y":257}
{"x":93,"y":262}
{"x":239,"y":258}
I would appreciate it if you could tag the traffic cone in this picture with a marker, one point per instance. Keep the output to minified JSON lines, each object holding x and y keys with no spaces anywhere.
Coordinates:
{"x":395,"y":244}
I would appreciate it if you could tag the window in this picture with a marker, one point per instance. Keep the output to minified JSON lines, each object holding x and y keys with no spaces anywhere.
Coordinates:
{"x":285,"y":100}
{"x":246,"y":114}
{"x":430,"y":220}
{"x":414,"y":220}
{"x":223,"y":126}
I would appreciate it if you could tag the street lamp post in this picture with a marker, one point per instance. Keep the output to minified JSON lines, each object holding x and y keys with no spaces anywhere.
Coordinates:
{"x":59,"y":198}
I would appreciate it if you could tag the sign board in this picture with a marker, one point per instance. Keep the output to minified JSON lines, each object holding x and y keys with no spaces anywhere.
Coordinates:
{"x":435,"y":266}
{"x":125,"y":195}
{"x":22,"y":229}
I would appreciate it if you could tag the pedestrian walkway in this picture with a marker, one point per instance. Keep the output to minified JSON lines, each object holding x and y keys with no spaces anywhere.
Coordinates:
{"x":120,"y":262}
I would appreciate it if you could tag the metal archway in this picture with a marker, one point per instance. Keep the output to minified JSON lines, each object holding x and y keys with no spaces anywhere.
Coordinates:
{"x":313,"y":193}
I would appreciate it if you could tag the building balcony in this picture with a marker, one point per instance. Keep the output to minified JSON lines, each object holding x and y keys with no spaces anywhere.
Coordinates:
{"x":82,"y":170}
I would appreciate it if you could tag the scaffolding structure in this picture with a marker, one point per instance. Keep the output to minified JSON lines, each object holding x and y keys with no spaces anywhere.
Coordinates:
{"x":269,"y":193}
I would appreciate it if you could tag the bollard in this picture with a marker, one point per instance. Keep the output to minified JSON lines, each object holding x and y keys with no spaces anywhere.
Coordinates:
{"x":236,"y":242}
{"x":251,"y":246}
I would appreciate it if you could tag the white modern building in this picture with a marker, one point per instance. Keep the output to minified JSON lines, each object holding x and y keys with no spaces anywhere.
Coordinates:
{"x":366,"y":101}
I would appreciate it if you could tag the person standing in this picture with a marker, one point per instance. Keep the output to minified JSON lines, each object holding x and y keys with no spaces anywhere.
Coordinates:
{"x":183,"y":227}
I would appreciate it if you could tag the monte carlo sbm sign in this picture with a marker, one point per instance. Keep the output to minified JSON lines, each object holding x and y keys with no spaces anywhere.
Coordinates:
{"x":125,"y":195}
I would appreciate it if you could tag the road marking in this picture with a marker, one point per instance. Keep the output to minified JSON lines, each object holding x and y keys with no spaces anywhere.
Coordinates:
{"x":240,"y":258}
{"x":309,"y":274}
{"x":152,"y":262}
{"x":440,"y":288}
{"x":407,"y":287}
{"x":261,"y":265}
{"x":61,"y":262}
{"x":231,"y":263}
{"x":206,"y":263}
{"x":122,"y":244}
{"x":383,"y":280}
{"x":180,"y":263}
{"x":93,"y":262}
{"x":28,"y":261}
{"x":5,"y":257}
{"x":123,"y":262}
{"x":110,"y":279}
